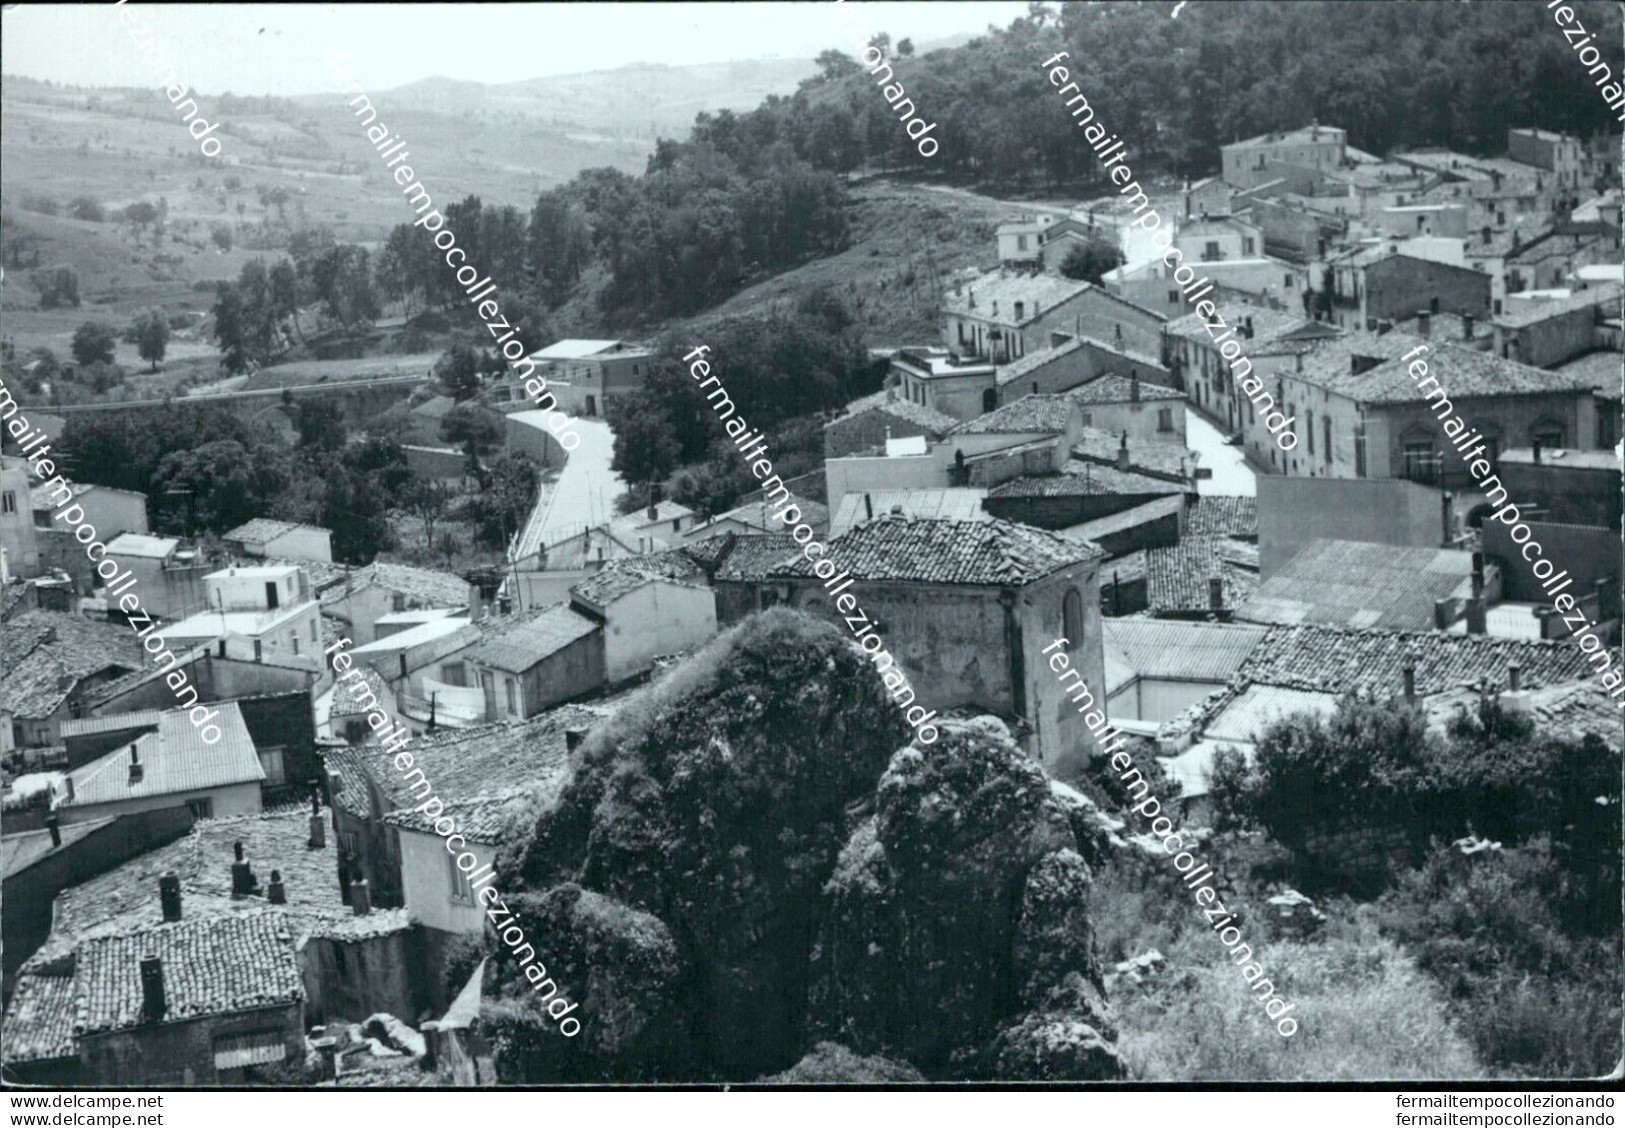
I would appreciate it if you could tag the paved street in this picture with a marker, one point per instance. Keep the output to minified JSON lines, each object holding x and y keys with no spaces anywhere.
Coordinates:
{"x":584,"y":493}
{"x":1231,"y":474}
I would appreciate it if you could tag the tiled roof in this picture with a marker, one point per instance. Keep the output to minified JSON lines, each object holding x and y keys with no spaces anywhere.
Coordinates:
{"x":420,"y":586}
{"x":1036,"y":360}
{"x":518,"y":648}
{"x":1605,"y":369}
{"x":1177,"y":576}
{"x":263,"y":529}
{"x":1359,"y":584}
{"x":1086,"y":479}
{"x":1345,"y":659}
{"x":1461,"y":373}
{"x":484,"y":761}
{"x":999,"y":290}
{"x":347,"y":768}
{"x":949,"y":552}
{"x":1098,"y":446}
{"x":1566,"y":712}
{"x":173,"y":759}
{"x":1167,"y":649}
{"x":932,"y":420}
{"x":1325,"y":134}
{"x":628,"y":573}
{"x":39,"y":1022}
{"x":755,"y":557}
{"x":351,"y":694}
{"x":125,"y":899}
{"x":1447,"y":326}
{"x":963,"y":503}
{"x":212,"y":966}
{"x":1520,"y":314}
{"x":1224,"y":515}
{"x":1039,"y":414}
{"x":1112,"y":388}
{"x":485,"y":818}
{"x":37,"y":673}
{"x":1268,"y":324}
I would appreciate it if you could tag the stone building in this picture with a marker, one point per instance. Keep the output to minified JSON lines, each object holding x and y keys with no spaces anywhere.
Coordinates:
{"x":966,"y":609}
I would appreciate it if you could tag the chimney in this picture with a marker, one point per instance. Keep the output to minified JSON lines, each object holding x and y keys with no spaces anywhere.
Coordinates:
{"x":318,"y":826}
{"x":1134,"y":386}
{"x":275,"y":892}
{"x":1215,"y":593}
{"x":1467,"y":327}
{"x":56,"y":831}
{"x":1441,"y":614}
{"x":169,"y":897}
{"x":1409,"y":671}
{"x":242,"y":874}
{"x":1475,"y":615}
{"x":1514,"y":676}
{"x":1122,"y":452}
{"x":897,"y":511}
{"x":152,"y":989}
{"x":344,"y":884}
{"x":1478,"y":574}
{"x":136,"y":771}
{"x":360,"y":897}
{"x":1424,"y":324}
{"x":573,"y":738}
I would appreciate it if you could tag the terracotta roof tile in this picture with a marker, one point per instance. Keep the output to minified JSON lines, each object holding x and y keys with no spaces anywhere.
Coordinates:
{"x":520,"y":647}
{"x":39,"y":1022}
{"x":1222,"y":515}
{"x":939,"y":551}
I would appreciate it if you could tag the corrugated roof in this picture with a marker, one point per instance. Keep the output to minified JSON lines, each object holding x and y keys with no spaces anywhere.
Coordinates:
{"x":173,"y":759}
{"x":521,"y":647}
{"x":22,"y":850}
{"x":1359,"y":584}
{"x":950,"y":552}
{"x":1178,"y":651}
{"x":86,"y":726}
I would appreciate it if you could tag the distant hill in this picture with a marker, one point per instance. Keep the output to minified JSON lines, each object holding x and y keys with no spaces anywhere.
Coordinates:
{"x":641,"y":100}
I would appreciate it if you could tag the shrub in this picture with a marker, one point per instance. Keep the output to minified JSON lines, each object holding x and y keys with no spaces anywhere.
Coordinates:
{"x":83,"y":207}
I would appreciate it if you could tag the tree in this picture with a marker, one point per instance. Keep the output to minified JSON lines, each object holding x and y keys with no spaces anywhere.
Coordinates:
{"x":1089,"y":261}
{"x":220,"y":235}
{"x":835,"y":65}
{"x":94,"y":342}
{"x":139,"y":215}
{"x":57,"y":287}
{"x":427,"y":500}
{"x":471,"y":429}
{"x":284,"y":297}
{"x":341,"y":279}
{"x":905,"y":48}
{"x":230,"y":329}
{"x":320,"y":428}
{"x":458,"y":372}
{"x":83,"y":207}
{"x":151,"y":336}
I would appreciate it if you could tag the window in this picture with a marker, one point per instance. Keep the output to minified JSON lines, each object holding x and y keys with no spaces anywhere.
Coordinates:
{"x":1359,"y":451}
{"x":510,"y":696}
{"x":8,"y":502}
{"x":201,"y":808}
{"x":1326,"y":437}
{"x":1072,"y":618}
{"x":990,"y":399}
{"x":1310,"y":420}
{"x":1088,"y":419}
{"x":462,"y":892}
{"x":1211,"y":252}
{"x":1547,"y":433}
{"x":1247,"y":244}
{"x":295,"y":639}
{"x":258,"y":650}
{"x":313,"y":630}
{"x":1165,"y":419}
{"x":1286,"y":280}
{"x":271,"y":761}
{"x":454,"y":673}
{"x":1173,"y":297}
{"x":1021,"y":242}
{"x":1421,"y":462}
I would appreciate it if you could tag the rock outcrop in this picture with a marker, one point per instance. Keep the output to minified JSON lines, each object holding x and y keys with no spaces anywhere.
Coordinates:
{"x":752,"y":873}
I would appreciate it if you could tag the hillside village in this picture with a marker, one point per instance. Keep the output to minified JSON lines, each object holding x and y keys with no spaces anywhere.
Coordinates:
{"x":1069,"y":459}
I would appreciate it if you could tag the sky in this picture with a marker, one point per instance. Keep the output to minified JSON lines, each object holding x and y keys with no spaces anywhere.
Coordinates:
{"x":281,"y":48}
